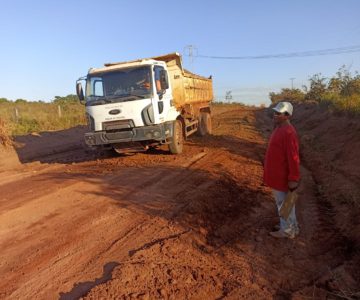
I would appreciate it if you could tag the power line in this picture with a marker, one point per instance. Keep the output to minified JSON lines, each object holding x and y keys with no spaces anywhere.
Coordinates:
{"x":332,"y":51}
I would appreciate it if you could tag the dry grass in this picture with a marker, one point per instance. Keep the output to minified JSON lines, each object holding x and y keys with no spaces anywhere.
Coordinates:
{"x":28,"y":117}
{"x":5,"y":139}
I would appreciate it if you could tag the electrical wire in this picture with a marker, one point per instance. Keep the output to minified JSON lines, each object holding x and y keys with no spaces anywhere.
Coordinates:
{"x":332,"y":51}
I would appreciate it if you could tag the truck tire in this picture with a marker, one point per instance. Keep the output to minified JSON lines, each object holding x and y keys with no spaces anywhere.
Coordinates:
{"x":204,"y":124}
{"x":176,"y":145}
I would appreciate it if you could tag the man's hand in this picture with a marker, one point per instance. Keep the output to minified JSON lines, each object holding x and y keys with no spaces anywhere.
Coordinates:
{"x":293,"y":185}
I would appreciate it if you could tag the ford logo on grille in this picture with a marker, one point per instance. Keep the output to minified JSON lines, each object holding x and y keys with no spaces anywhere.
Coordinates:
{"x":114,"y":111}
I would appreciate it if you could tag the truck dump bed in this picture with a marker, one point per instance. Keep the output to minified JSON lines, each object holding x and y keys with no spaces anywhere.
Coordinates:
{"x":188,"y":88}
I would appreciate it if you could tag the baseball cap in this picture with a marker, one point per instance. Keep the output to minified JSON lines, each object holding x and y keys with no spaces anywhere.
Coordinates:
{"x":284,"y":107}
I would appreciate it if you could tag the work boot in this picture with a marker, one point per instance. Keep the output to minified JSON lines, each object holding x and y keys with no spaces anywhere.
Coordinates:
{"x":296,"y":230}
{"x":293,"y":232}
{"x":281,"y":234}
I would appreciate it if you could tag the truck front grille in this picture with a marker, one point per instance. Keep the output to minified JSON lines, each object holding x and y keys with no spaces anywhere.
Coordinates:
{"x":118,"y":126}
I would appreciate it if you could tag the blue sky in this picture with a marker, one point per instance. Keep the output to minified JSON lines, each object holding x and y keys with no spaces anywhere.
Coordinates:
{"x":46,"y":45}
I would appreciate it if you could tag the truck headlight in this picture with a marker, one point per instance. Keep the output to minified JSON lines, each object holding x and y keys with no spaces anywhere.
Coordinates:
{"x":90,"y":140}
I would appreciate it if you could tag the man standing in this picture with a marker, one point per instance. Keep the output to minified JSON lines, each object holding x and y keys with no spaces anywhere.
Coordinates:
{"x":282,"y":166}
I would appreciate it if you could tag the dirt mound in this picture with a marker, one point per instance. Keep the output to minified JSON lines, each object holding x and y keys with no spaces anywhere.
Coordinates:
{"x":8,"y":157}
{"x":330,"y":149}
{"x":330,"y":146}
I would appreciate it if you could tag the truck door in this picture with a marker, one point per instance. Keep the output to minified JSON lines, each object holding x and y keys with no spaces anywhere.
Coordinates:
{"x":162,"y":97}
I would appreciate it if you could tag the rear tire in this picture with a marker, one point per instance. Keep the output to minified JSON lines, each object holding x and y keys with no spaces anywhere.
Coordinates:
{"x":176,"y":145}
{"x":205,"y":127}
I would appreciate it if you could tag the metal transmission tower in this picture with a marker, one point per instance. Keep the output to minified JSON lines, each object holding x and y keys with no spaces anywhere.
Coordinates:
{"x":228,"y":96}
{"x":191,"y":51}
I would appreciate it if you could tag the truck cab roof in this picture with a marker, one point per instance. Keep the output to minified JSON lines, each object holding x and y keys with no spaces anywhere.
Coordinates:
{"x":158,"y":60}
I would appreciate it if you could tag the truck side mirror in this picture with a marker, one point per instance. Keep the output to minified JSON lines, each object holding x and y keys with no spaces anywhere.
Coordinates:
{"x":80,"y":93}
{"x":164,"y":80}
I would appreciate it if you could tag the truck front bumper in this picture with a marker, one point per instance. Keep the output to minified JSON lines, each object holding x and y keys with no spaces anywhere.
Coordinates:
{"x":162,"y":133}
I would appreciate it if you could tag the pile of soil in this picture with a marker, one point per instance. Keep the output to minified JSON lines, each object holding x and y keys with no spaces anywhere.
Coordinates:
{"x":330,"y":146}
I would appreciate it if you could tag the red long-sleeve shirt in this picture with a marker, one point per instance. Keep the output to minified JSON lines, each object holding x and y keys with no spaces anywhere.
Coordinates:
{"x":282,"y":162}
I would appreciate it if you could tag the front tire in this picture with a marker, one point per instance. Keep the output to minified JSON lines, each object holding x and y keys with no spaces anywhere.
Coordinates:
{"x":176,"y":145}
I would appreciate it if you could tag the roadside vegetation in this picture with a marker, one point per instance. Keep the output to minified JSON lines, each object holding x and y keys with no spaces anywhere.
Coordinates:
{"x":340,"y":92}
{"x":23,"y":117}
{"x":5,"y":139}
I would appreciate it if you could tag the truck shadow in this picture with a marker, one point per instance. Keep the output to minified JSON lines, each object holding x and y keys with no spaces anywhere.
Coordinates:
{"x":230,"y":213}
{"x":224,"y":211}
{"x":64,"y":146}
{"x":226,"y":207}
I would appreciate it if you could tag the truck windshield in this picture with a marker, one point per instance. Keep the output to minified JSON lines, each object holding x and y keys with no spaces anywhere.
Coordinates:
{"x":119,"y":85}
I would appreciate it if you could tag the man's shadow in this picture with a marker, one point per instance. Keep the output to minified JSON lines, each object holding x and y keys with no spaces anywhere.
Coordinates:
{"x":81,"y":289}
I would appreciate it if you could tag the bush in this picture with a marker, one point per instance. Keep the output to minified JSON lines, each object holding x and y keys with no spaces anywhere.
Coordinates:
{"x":291,"y":95}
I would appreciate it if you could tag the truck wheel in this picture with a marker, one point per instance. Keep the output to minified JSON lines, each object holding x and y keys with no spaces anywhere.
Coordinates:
{"x":204,"y":124}
{"x":176,"y":145}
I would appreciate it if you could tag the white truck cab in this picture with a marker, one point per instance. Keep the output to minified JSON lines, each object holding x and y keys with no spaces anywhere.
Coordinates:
{"x":133,"y":102}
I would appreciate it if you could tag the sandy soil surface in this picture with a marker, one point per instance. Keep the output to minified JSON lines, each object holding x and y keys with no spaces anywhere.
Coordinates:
{"x":75,"y":224}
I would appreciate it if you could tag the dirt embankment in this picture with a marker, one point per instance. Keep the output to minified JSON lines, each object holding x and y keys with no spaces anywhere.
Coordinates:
{"x":192,"y":226}
{"x":330,"y":150}
{"x":330,"y":143}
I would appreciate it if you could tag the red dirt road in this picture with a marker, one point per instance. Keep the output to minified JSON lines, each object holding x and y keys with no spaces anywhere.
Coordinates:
{"x":193,"y":226}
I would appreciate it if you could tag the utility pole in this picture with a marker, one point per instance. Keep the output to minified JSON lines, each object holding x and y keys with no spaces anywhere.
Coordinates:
{"x":292,"y":82}
{"x":191,"y":51}
{"x":228,"y":96}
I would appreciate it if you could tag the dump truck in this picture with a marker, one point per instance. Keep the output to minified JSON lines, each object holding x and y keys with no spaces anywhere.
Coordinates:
{"x":135,"y":105}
